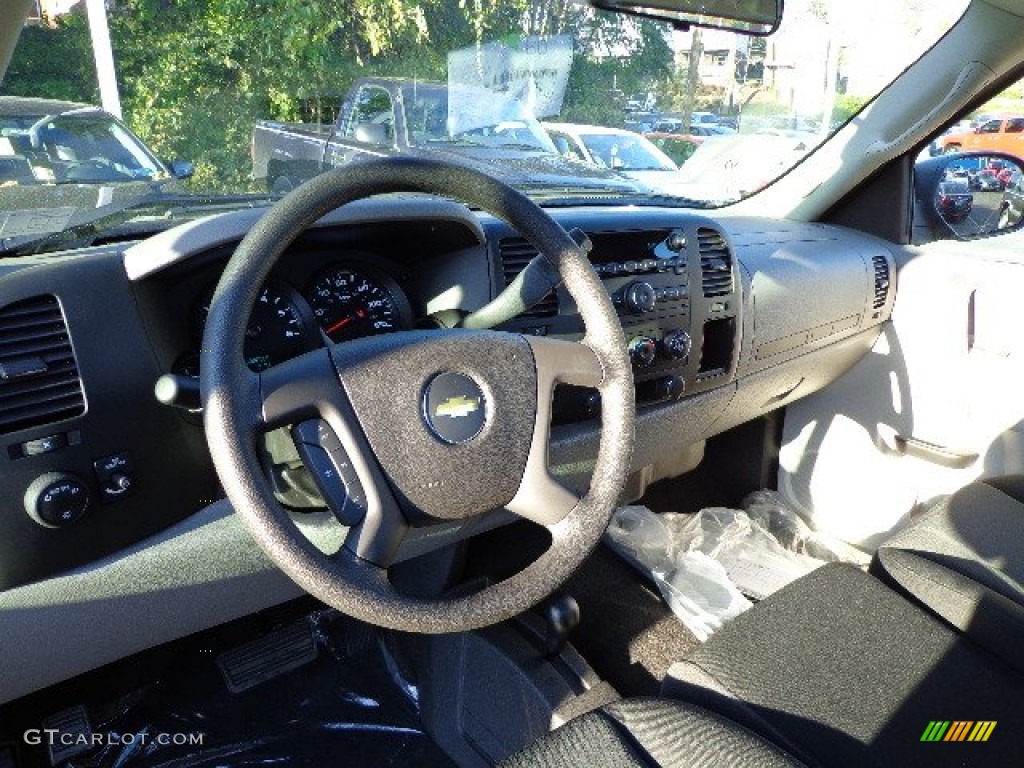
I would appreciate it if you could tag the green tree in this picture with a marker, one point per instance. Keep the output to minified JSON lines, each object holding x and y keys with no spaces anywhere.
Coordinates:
{"x":53,"y":62}
{"x":195,"y":75}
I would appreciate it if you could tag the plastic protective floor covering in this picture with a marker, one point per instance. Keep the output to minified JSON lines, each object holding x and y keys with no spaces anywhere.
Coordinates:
{"x":349,"y":707}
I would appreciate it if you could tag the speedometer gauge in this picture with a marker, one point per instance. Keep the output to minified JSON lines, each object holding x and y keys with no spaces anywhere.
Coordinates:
{"x":276,"y":331}
{"x":351,"y":303}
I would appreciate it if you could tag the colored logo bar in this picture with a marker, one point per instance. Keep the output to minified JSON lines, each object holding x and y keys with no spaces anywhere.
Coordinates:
{"x":958,"y":730}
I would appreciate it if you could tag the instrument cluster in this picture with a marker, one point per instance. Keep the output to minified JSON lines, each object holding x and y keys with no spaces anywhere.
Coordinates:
{"x":346,"y":300}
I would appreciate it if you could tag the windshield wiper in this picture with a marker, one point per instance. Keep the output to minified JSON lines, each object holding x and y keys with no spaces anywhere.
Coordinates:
{"x":89,"y":224}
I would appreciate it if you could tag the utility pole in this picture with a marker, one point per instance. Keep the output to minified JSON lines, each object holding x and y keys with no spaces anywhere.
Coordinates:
{"x":692,"y":78}
{"x":104,"y":54}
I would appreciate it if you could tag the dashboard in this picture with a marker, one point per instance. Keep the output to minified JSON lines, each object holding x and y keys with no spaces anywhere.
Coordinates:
{"x":725,"y":319}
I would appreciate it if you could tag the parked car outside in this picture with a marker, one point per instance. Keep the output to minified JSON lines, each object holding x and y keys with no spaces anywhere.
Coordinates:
{"x":985,"y":180}
{"x":48,"y":141}
{"x":620,"y":150}
{"x":389,"y":116}
{"x":1000,"y":134}
{"x":954,"y":200}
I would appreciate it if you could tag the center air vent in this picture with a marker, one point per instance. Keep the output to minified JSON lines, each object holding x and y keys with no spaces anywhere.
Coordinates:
{"x":516,"y":253}
{"x":39,"y":382}
{"x":715,"y":263}
{"x":881,"y":265}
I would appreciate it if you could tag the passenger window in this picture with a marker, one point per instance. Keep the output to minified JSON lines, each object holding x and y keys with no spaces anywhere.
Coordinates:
{"x":992,"y":126}
{"x":373,"y":118}
{"x":1015,"y":125}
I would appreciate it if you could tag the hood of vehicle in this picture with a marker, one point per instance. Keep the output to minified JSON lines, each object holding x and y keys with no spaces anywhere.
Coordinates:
{"x":39,"y":208}
{"x":532,"y":168}
{"x":664,"y":181}
{"x":732,"y":167}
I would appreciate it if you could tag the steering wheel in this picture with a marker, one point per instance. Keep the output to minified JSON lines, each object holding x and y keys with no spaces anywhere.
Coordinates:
{"x":424,"y":428}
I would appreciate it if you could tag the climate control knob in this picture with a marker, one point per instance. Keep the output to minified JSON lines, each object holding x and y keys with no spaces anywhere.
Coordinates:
{"x":641,"y":297}
{"x":642,"y":351}
{"x":677,"y":345}
{"x":56,"y":499}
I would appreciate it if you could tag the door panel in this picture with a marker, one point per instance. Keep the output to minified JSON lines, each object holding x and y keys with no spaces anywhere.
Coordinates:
{"x":938,"y":403}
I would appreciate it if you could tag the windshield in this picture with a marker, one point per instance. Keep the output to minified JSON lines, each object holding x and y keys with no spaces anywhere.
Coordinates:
{"x":257,"y":98}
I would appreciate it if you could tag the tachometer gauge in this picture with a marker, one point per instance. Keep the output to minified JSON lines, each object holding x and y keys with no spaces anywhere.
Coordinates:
{"x":276,"y":331}
{"x":350,"y":303}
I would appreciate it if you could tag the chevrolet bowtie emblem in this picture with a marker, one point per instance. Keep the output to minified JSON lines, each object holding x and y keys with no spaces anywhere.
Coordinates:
{"x":457,"y":407}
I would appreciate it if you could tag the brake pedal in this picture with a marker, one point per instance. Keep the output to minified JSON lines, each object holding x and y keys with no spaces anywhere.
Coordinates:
{"x":268,"y":657}
{"x":70,"y":734}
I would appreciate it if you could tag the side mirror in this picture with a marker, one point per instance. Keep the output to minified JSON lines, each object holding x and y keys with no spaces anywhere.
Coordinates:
{"x":181,"y":169}
{"x":968,"y":195}
{"x":372,"y":133}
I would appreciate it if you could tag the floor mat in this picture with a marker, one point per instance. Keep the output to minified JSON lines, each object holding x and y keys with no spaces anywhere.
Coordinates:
{"x":626,"y":631}
{"x":347,"y":706}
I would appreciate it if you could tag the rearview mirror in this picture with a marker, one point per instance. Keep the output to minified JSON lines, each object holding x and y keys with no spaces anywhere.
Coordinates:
{"x":969,"y":195}
{"x":748,"y":17}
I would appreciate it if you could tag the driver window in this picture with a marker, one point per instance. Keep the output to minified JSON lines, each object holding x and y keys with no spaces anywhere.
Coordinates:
{"x":373,"y":117}
{"x":992,"y":126}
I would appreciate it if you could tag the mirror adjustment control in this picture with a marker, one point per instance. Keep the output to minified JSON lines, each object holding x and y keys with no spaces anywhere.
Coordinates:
{"x":56,"y":499}
{"x":115,"y":475}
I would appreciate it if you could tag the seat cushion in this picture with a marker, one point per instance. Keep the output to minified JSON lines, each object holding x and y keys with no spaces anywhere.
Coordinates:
{"x":840,"y":670}
{"x":647,"y":733}
{"x":964,"y":561}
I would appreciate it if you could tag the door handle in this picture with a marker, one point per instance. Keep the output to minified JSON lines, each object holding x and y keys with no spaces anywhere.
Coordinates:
{"x":936,"y":454}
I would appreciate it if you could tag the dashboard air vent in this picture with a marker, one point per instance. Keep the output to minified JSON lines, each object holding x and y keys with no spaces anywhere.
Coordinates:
{"x":516,"y":253}
{"x":715,"y":263}
{"x":881,"y":265}
{"x":39,"y":382}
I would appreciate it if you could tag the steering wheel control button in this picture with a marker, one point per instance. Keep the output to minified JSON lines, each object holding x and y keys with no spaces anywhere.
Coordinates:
{"x":332,"y":470}
{"x":454,"y":408}
{"x":336,"y":479}
{"x":115,"y":476}
{"x":56,"y":499}
{"x":316,"y":432}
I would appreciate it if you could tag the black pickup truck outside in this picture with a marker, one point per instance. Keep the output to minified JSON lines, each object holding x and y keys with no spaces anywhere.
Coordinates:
{"x":391,"y":116}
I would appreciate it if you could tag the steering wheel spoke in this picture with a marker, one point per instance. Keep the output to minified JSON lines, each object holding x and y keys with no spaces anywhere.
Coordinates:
{"x":542,"y":498}
{"x":305,"y":393}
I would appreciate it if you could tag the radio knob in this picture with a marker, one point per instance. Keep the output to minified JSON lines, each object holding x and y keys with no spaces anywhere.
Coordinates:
{"x":641,"y":297}
{"x":642,"y":351}
{"x":677,"y":345}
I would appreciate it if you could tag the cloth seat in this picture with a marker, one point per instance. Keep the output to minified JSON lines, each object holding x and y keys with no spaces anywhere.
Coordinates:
{"x":835,"y":670}
{"x":964,"y":561}
{"x":645,"y":733}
